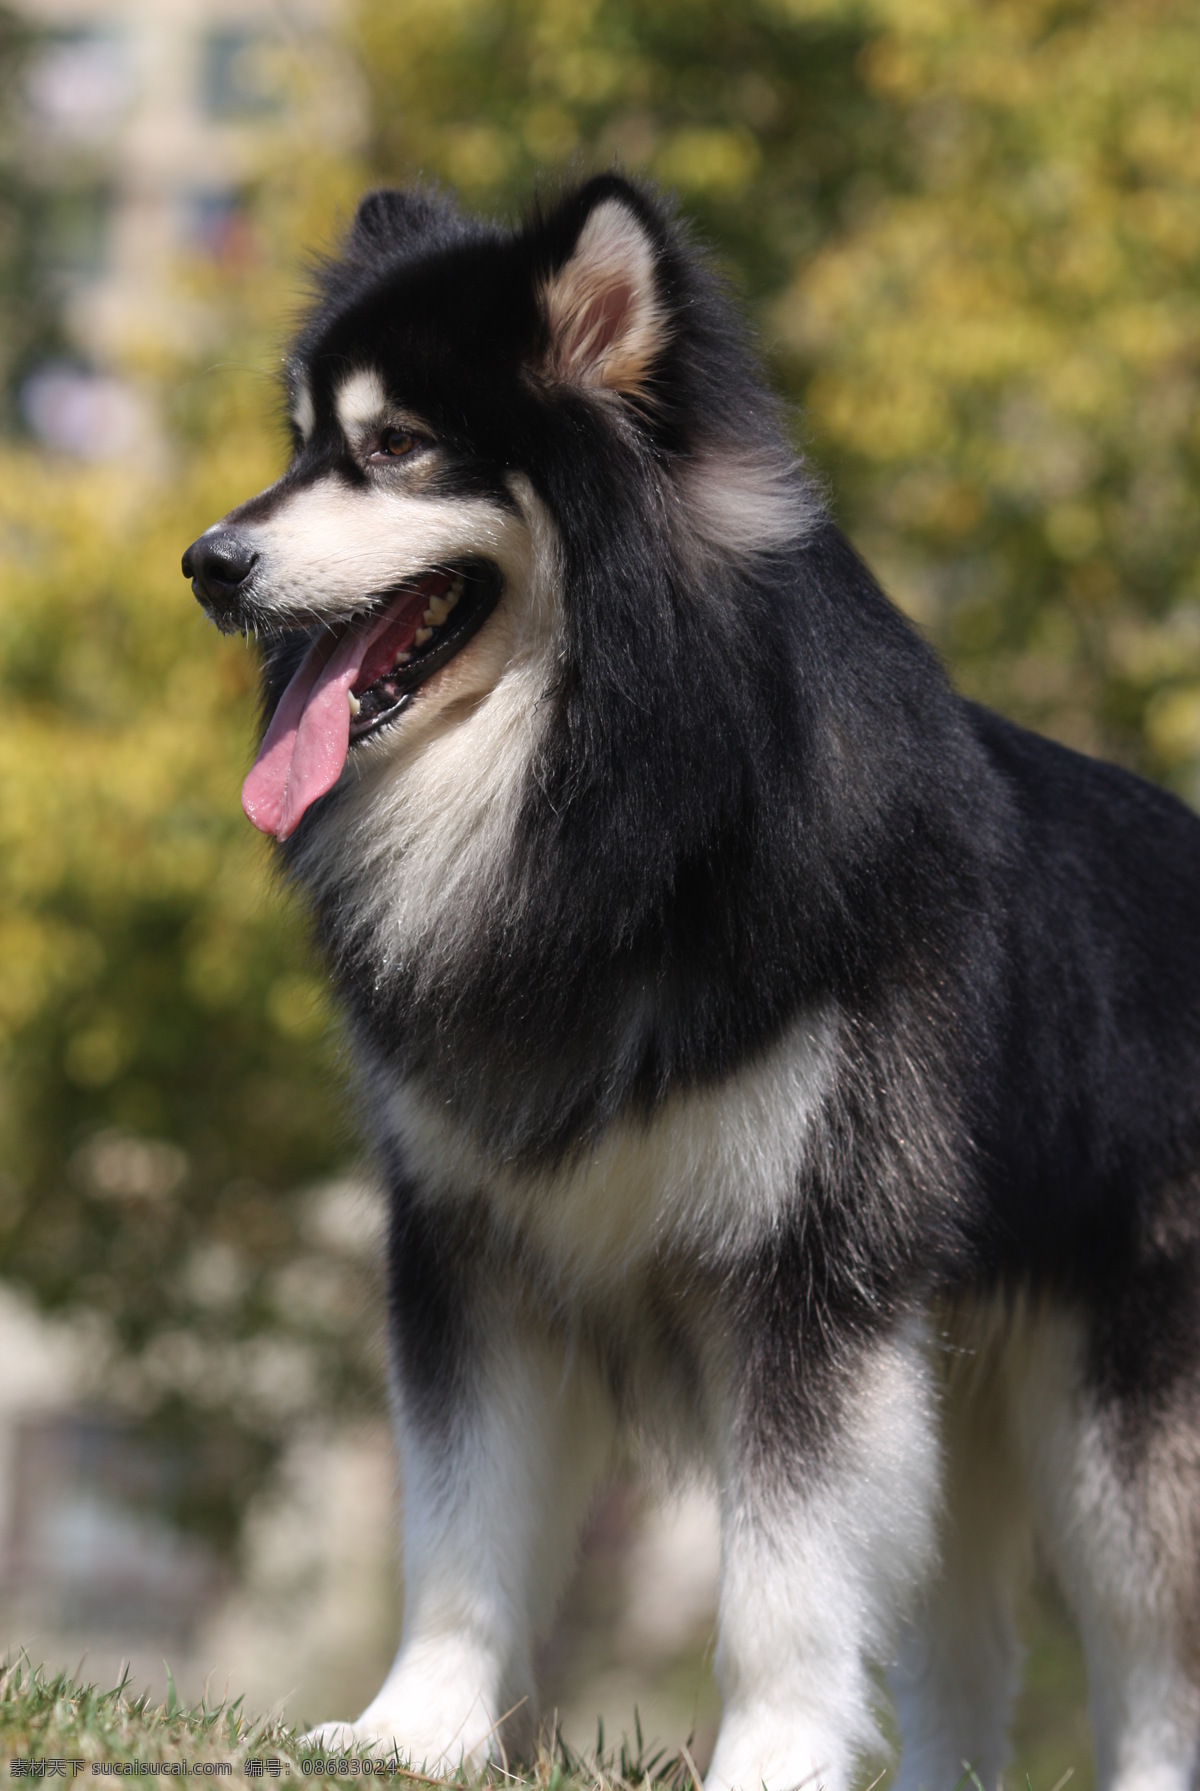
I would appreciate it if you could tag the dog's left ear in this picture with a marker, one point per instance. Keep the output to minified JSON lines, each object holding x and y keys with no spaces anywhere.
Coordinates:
{"x":602,"y":310}
{"x":392,"y":219}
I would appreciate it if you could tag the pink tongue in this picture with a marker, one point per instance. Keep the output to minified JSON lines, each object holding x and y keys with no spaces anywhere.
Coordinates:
{"x":305,"y":747}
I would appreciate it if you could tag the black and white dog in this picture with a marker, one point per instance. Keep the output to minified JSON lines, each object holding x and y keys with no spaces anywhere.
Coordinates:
{"x":781,"y":1067}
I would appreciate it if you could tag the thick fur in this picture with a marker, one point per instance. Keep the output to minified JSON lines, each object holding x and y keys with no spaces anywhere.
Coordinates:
{"x":781,"y":1067}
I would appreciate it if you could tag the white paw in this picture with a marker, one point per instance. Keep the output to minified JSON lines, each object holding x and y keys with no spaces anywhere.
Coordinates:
{"x":436,"y":1712}
{"x":346,"y":1738}
{"x":750,"y":1762}
{"x":382,"y":1740}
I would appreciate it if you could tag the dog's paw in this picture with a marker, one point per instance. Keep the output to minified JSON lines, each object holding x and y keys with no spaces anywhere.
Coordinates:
{"x":357,"y":1738}
{"x":339,"y":1738}
{"x":435,"y":1712}
{"x":378,"y":1739}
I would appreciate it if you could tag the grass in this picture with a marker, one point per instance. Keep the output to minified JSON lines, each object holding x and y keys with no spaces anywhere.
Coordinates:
{"x":46,"y":1717}
{"x":52,"y":1717}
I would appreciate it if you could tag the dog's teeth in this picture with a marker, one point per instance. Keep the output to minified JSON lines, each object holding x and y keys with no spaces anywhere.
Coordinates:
{"x":403,"y":658}
{"x":355,"y":705}
{"x":439,"y":609}
{"x":455,"y":592}
{"x":422,"y":635}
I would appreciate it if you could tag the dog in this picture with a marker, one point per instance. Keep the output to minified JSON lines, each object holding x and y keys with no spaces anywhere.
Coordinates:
{"x":783,"y":1070}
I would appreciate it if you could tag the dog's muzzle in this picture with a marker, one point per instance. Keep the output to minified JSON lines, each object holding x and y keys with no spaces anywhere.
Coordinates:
{"x":220,"y":565}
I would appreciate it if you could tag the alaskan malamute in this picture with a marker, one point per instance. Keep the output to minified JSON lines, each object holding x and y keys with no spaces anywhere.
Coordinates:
{"x":780,"y":1066}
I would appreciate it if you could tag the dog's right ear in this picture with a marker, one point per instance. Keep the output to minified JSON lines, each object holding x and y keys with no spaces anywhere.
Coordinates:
{"x":391,"y":219}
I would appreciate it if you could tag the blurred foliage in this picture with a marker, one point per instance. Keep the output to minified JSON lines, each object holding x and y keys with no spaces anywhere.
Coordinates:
{"x":755,"y":115}
{"x":970,"y":240}
{"x":1001,"y":357}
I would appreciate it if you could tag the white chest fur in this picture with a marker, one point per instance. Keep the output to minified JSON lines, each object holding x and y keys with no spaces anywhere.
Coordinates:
{"x":710,"y":1170}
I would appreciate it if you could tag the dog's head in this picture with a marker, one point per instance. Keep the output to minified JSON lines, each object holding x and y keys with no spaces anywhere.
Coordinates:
{"x":489,"y":426}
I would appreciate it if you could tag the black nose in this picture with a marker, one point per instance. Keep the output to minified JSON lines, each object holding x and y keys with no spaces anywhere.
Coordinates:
{"x":219,"y":565}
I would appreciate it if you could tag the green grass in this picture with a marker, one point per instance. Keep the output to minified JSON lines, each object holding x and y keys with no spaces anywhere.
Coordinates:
{"x":46,"y":1717}
{"x":54,"y":1717}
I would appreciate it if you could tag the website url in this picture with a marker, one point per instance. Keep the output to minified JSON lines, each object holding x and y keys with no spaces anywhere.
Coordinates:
{"x":205,"y":1769}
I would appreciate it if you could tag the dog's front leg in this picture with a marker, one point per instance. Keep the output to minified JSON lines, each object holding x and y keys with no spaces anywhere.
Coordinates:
{"x":502,"y":1440}
{"x":829,"y":1502}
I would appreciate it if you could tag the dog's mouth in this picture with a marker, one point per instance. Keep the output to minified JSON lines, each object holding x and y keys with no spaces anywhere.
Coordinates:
{"x":357,"y":678}
{"x":425,"y":625}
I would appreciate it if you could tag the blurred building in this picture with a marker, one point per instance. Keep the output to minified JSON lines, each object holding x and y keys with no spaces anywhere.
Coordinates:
{"x":143,"y":127}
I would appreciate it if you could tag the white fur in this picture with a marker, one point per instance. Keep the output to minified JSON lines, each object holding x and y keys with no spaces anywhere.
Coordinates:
{"x":437,"y":792}
{"x":491,"y":1521}
{"x":709,"y":1172}
{"x":360,"y":400}
{"x":813,"y":1582}
{"x":743,"y":504}
{"x":304,"y":414}
{"x":604,"y":317}
{"x":329,"y":547}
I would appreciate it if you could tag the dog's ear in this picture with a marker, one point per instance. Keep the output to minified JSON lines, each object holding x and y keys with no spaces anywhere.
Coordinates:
{"x":389,"y":219}
{"x":604,"y":321}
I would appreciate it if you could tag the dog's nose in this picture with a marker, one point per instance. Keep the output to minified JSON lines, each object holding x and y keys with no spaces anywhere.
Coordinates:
{"x":219,"y":565}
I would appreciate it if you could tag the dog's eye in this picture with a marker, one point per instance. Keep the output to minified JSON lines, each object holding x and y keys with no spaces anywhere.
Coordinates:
{"x":397,"y":443}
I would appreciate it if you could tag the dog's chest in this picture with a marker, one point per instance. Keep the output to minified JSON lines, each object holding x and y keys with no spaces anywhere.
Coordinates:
{"x":709,"y":1171}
